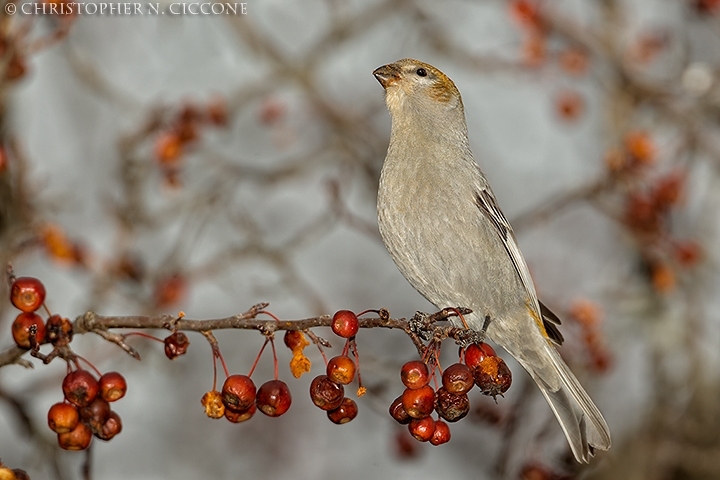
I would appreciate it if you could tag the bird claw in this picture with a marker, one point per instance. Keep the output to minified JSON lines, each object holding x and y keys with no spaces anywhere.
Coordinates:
{"x":421,"y":326}
{"x":467,"y":337}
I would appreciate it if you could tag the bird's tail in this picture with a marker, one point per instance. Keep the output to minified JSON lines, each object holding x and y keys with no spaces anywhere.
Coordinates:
{"x":580,"y":419}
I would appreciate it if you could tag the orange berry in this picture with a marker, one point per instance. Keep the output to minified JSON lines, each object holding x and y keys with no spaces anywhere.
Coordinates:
{"x":640,"y":146}
{"x":415,"y":374}
{"x":574,"y":61}
{"x":341,"y":369}
{"x":24,"y":326}
{"x":662,"y":277}
{"x":345,"y":413}
{"x":27,"y":294}
{"x":63,"y":417}
{"x":526,"y":14}
{"x":168,"y":147}
{"x":112,"y":386}
{"x":585,"y":312}
{"x":345,"y":324}
{"x":273,"y":398}
{"x":77,"y":439}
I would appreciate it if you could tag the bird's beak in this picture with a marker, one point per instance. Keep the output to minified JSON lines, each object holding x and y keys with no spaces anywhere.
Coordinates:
{"x":387,"y":75}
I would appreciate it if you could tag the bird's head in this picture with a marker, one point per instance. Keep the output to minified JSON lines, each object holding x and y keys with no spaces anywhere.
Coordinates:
{"x":414,"y":86}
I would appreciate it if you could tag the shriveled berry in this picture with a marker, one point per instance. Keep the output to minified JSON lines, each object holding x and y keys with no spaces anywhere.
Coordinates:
{"x":240,"y":416}
{"x":341,"y":369}
{"x":422,"y":428}
{"x":441,"y":434}
{"x":27,"y":294}
{"x":492,"y":376}
{"x":398,"y":412}
{"x":238,"y":392}
{"x":25,"y":325}
{"x":347,"y":411}
{"x":325,"y":393}
{"x":111,"y":427}
{"x":63,"y":417}
{"x":112,"y":386}
{"x":415,"y":374}
{"x":419,"y":402}
{"x":7,"y":474}
{"x":80,"y":387}
{"x":475,"y":352}
{"x":20,"y":474}
{"x":458,"y":379}
{"x":77,"y":439}
{"x":345,"y":324}
{"x":95,"y":414}
{"x":176,"y":344}
{"x":59,"y":330}
{"x":212,"y":401}
{"x":273,"y":398}
{"x":451,"y":407}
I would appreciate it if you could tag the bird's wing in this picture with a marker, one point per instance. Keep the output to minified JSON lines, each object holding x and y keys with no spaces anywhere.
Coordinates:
{"x":485,"y":200}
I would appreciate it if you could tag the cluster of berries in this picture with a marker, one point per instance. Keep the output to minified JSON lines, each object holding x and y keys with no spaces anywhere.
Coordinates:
{"x":327,"y":391}
{"x":29,"y":329}
{"x":415,"y":406}
{"x":86,"y":410}
{"x":240,"y":399}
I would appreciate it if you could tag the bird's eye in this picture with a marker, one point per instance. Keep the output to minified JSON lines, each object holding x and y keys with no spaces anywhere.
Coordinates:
{"x":421,"y":72}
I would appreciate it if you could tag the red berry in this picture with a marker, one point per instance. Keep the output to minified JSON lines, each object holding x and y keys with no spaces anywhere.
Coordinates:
{"x":77,"y":439}
{"x":345,"y":324}
{"x":112,"y":386}
{"x":241,"y":416}
{"x":341,"y":369}
{"x":23,"y":327}
{"x":273,"y":398}
{"x":80,"y":387}
{"x":59,"y":330}
{"x":398,"y":412}
{"x":347,"y":410}
{"x":419,"y":402}
{"x":63,"y":418}
{"x":111,"y":427}
{"x":294,"y":339}
{"x":325,"y":393}
{"x":415,"y":374}
{"x":476,"y":352}
{"x":441,"y":434}
{"x":27,"y":294}
{"x":176,"y":344}
{"x":238,"y":393}
{"x":492,"y":376}
{"x":458,"y":379}
{"x":95,"y":414}
{"x":450,"y":406}
{"x":422,"y":428}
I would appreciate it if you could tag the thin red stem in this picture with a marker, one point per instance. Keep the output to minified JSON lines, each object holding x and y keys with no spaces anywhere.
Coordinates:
{"x":252,"y":369}
{"x":214,"y":357}
{"x":90,"y":364}
{"x":275,"y":360}
{"x":145,"y":335}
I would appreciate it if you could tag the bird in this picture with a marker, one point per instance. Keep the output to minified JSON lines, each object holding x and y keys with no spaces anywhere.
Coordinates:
{"x":441,"y":224}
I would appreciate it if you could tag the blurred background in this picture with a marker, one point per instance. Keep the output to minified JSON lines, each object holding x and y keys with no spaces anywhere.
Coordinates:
{"x":205,"y":163}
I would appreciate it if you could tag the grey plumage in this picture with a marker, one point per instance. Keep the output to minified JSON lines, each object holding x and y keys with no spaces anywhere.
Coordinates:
{"x":443,"y":228}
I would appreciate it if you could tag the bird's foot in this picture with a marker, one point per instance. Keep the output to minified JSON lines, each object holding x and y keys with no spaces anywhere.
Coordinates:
{"x":421,"y":325}
{"x":467,"y":336}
